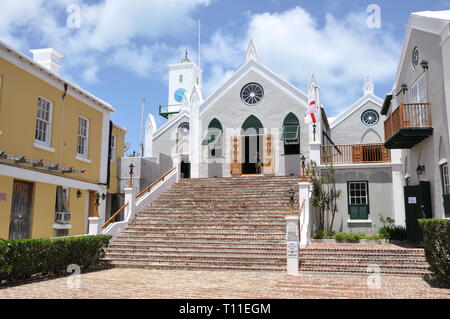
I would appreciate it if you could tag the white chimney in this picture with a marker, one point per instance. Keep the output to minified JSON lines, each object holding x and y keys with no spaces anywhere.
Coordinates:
{"x":48,"y":58}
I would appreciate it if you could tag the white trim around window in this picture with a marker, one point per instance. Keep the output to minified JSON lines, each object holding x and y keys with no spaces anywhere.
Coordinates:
{"x":44,"y":115}
{"x":83,"y":139}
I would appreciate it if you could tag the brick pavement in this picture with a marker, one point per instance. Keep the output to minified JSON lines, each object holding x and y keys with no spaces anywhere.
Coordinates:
{"x":164,"y":284}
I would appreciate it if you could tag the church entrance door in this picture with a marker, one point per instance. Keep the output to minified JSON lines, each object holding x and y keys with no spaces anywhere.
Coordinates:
{"x":253,"y":154}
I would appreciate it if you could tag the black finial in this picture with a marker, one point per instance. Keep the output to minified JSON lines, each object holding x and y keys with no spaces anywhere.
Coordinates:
{"x":186,"y":59}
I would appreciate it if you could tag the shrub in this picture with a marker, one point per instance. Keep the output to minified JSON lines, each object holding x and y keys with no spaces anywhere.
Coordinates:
{"x":393,"y":232}
{"x":350,"y":237}
{"x":437,"y":246}
{"x":22,"y":259}
{"x":3,"y":263}
{"x":320,"y":234}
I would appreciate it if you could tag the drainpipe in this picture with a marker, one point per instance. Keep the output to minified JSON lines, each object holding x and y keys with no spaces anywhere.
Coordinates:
{"x":62,"y":122}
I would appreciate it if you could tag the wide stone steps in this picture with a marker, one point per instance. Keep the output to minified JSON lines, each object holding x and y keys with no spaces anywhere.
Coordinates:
{"x":364,"y":261}
{"x":196,"y":244}
{"x":195,"y":257}
{"x":194,"y":266}
{"x":206,"y":262}
{"x":225,"y":237}
{"x":114,"y":249}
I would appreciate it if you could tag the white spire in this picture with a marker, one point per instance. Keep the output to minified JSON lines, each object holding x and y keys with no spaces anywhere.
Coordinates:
{"x":252,"y":53}
{"x":312,"y":83}
{"x":369,"y":87}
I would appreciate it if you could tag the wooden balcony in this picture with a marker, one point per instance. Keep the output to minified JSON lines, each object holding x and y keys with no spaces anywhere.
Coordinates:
{"x":355,"y":154}
{"x":408,"y":125}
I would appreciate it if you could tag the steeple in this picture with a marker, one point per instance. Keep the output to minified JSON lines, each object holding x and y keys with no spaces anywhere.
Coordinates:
{"x":252,"y":53}
{"x":369,"y":87}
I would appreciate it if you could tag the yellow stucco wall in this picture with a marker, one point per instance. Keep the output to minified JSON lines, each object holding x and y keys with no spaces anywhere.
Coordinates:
{"x":77,"y":207}
{"x":18,"y":111}
{"x":6,"y":187}
{"x":19,"y":93}
{"x":43,"y":210}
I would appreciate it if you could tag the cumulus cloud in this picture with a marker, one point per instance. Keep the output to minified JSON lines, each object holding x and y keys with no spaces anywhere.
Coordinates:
{"x":135,"y":35}
{"x":340,"y":53}
{"x":117,"y":27}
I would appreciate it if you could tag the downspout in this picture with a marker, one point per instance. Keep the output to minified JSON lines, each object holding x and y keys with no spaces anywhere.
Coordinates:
{"x":108,"y":177}
{"x":62,"y":122}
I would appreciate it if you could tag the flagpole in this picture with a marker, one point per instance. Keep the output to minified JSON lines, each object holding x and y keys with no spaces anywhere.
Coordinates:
{"x":142,"y":127}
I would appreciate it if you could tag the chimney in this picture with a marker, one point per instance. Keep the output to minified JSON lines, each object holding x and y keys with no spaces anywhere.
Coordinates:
{"x":48,"y":58}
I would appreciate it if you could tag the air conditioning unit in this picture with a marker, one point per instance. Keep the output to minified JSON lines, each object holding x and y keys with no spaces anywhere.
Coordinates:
{"x":62,"y":217}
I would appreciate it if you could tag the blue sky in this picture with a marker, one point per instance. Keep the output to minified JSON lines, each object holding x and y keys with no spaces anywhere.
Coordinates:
{"x":121,"y":50}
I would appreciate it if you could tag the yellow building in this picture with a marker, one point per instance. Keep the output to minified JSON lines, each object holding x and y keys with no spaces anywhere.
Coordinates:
{"x":55,"y":144}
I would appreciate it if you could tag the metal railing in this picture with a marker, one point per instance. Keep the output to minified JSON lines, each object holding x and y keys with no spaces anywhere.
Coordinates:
{"x":146,"y":190}
{"x":408,"y":115}
{"x":353,"y":154}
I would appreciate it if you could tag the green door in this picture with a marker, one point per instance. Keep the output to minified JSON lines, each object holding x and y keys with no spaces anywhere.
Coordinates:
{"x":417,"y":206}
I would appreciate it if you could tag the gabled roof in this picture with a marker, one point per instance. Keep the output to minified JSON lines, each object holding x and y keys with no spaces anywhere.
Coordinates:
{"x":170,"y":122}
{"x":355,"y":107}
{"x":29,"y":65}
{"x":434,"y":22}
{"x":263,"y":71}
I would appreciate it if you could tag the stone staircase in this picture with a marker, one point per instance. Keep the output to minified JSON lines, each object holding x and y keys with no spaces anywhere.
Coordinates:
{"x":239,"y":224}
{"x":356,"y":258}
{"x":225,"y":223}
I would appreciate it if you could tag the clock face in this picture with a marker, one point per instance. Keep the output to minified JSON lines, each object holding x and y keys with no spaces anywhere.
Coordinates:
{"x":179,"y":94}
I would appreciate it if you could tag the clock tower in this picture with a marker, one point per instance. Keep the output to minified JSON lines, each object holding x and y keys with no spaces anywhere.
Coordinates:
{"x":182,"y":78}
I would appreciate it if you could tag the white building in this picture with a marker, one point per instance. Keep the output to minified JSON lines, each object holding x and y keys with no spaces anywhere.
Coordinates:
{"x":418,"y":117}
{"x":254,"y":124}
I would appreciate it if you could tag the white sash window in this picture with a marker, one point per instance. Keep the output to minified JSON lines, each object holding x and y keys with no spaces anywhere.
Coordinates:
{"x":43,"y":121}
{"x":83,"y":137}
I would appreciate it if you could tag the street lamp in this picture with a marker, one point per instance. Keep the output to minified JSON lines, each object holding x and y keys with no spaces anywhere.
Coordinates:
{"x":291,"y":193}
{"x":303,"y":159}
{"x":131,"y":175}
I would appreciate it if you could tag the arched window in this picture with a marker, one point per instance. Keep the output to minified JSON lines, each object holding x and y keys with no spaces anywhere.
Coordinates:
{"x":252,"y":126}
{"x":213,"y":138}
{"x":291,"y":135}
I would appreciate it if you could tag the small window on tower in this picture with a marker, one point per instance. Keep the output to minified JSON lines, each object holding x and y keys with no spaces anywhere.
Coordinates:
{"x":181,"y":78}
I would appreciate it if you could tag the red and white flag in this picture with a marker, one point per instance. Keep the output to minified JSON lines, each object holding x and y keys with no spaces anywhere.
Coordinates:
{"x":312,"y":114}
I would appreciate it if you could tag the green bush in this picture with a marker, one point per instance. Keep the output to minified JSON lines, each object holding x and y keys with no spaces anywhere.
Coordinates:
{"x":350,"y":237}
{"x":393,"y":232}
{"x":22,"y":259}
{"x":437,"y":246}
{"x":320,"y":234}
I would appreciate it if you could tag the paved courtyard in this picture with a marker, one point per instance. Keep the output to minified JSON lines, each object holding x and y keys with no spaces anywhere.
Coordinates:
{"x":165,"y":284}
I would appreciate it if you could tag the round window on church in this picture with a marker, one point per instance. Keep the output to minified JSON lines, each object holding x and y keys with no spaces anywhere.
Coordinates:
{"x":183,"y":129}
{"x":370,"y":118}
{"x":252,"y":94}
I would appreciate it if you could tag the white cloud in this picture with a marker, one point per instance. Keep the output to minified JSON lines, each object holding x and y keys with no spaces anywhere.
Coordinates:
{"x":340,"y":53}
{"x":111,"y":33}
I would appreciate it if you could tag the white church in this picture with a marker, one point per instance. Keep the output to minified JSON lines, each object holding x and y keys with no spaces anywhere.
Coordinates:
{"x":253,"y":124}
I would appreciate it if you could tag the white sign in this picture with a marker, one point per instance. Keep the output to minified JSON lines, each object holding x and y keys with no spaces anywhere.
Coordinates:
{"x":292,"y":249}
{"x":412,"y":200}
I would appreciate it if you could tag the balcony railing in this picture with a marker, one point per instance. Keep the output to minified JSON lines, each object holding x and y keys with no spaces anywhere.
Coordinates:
{"x":355,"y":154}
{"x":408,"y":125}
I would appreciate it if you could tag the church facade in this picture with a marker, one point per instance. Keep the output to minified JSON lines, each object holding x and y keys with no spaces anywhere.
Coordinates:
{"x":253,"y":124}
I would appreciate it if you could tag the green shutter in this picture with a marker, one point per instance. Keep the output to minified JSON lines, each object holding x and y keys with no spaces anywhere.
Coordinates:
{"x":212,"y":137}
{"x":358,"y":212}
{"x":290,"y":132}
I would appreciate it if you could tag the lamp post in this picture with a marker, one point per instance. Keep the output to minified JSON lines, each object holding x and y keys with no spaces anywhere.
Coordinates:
{"x":131,"y":175}
{"x":291,"y":193}
{"x":303,"y":159}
